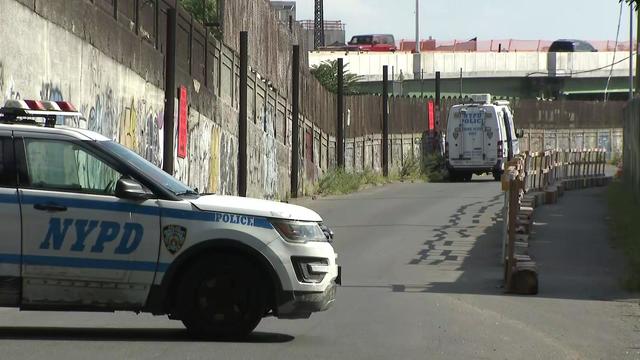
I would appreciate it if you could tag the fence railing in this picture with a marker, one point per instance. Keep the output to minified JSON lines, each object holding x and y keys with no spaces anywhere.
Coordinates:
{"x":532,"y":179}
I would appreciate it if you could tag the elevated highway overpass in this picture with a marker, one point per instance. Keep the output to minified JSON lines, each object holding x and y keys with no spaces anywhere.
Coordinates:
{"x":510,"y":74}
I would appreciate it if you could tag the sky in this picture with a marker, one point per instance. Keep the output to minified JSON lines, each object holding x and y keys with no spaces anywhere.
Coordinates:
{"x":485,"y":19}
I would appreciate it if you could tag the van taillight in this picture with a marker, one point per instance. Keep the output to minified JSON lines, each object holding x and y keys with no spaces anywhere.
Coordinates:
{"x":500,"y":150}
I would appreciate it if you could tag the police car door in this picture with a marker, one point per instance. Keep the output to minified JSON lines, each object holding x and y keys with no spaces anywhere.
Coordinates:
{"x":82,"y":245}
{"x":10,"y":216}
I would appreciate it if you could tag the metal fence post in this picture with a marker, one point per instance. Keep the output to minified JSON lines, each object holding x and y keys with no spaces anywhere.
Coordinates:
{"x":169,"y":92}
{"x":385,"y":121}
{"x":242,"y":123}
{"x":295,"y":123}
{"x":340,"y":115}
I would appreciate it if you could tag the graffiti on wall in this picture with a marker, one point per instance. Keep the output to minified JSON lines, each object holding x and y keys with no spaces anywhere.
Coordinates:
{"x":270,"y":160}
{"x":50,"y":91}
{"x":146,"y":124}
{"x":214,"y":160}
{"x":133,"y":123}
{"x":228,"y":161}
{"x":8,"y":89}
{"x":102,"y":114}
{"x":199,"y":152}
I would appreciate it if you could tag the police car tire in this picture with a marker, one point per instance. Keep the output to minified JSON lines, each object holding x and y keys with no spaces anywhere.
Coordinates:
{"x":205,"y":275}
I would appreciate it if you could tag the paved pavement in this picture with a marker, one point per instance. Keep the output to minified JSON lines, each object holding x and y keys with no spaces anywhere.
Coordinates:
{"x":421,"y":281}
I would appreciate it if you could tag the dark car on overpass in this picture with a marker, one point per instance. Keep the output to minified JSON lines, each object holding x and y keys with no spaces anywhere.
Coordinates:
{"x":568,"y":45}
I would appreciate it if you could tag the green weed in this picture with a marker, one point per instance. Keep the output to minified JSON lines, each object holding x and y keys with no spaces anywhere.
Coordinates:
{"x":624,"y":212}
{"x":336,"y":182}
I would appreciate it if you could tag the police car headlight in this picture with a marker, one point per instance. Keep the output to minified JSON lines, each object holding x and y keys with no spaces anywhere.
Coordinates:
{"x":299,"y":231}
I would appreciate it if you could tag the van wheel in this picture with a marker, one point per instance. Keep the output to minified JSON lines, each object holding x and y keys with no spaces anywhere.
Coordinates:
{"x":497,"y":175}
{"x":222,"y":296}
{"x":467,"y":176}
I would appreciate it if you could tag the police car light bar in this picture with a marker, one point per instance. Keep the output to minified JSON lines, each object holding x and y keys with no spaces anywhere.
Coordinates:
{"x":37,"y":108}
{"x":481,"y":98}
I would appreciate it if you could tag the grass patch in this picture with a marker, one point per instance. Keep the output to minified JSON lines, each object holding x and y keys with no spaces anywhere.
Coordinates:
{"x":410,"y":169}
{"x":336,"y":182}
{"x":430,"y":168}
{"x":624,"y":212}
{"x":433,"y":168}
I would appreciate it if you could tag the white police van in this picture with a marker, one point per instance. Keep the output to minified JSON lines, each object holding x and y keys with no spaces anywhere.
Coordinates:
{"x":481,"y":137}
{"x":90,"y":225}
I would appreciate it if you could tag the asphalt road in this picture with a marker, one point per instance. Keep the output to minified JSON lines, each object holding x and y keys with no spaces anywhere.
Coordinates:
{"x":421,"y":280}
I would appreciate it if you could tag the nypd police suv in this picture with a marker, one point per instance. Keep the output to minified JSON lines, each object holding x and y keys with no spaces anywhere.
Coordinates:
{"x":88,"y":224}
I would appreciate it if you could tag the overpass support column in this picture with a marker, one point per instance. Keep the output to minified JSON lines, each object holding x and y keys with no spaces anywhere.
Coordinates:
{"x":417,"y":66}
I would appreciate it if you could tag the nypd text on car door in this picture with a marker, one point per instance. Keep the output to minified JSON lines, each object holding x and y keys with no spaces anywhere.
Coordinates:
{"x":82,"y":245}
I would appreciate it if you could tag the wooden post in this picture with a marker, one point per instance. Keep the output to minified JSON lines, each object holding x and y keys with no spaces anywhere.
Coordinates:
{"x":513,"y":214}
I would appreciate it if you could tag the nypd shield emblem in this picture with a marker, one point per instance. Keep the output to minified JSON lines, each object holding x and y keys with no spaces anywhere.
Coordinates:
{"x":174,"y":237}
{"x":489,"y":132}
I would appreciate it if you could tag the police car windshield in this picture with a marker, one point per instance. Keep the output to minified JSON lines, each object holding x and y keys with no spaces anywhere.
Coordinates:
{"x":141,"y":164}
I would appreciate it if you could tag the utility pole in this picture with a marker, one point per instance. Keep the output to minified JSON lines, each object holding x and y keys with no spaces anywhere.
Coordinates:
{"x":437,"y":115}
{"x":417,"y":26}
{"x":637,"y":50}
{"x":630,"y":50}
{"x":318,"y":25}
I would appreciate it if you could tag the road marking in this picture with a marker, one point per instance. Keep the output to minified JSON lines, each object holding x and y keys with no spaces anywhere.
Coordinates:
{"x":452,"y":243}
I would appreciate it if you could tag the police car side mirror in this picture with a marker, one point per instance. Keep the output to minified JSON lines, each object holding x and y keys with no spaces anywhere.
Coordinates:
{"x":131,"y":189}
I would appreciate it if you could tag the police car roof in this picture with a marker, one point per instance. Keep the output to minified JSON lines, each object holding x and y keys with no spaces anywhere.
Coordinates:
{"x":80,"y":134}
{"x":47,"y":110}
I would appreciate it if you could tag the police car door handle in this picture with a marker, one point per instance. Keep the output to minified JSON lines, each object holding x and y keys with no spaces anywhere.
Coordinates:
{"x":50,"y":207}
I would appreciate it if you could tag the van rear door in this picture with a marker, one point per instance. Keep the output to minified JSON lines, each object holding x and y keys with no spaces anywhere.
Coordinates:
{"x":472,"y":135}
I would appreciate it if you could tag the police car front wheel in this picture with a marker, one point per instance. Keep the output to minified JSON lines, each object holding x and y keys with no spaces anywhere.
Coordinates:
{"x":222,"y":295}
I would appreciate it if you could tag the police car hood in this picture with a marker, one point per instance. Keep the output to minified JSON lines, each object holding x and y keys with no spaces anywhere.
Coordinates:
{"x":254,"y":207}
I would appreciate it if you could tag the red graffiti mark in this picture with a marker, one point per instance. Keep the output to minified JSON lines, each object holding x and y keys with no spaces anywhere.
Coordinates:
{"x":431,"y":116}
{"x":182,"y":123}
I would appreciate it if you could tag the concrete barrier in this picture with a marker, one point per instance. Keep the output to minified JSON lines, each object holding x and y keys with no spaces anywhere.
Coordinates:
{"x":531,"y":180}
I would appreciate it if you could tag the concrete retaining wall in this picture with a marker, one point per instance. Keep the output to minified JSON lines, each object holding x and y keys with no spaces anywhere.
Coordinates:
{"x":537,"y":140}
{"x":45,"y":57}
